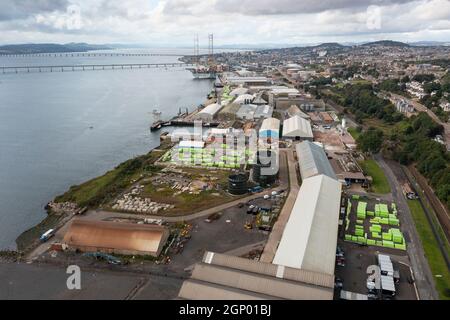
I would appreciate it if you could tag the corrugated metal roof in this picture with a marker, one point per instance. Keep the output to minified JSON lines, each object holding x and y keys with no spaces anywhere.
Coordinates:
{"x":295,"y":111}
{"x":115,"y":236}
{"x":200,"y":290}
{"x":313,"y":161}
{"x":310,"y":237}
{"x":269,"y":269}
{"x":212,"y":109}
{"x":270,"y":124}
{"x":260,"y":284}
{"x":296,"y":126}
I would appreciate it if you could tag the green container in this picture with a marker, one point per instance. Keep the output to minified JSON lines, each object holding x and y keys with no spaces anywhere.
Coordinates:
{"x":386,"y":236}
{"x":394,"y":222}
{"x":384,"y":221}
{"x":370,"y":213}
{"x":379,"y":243}
{"x":354,"y":238}
{"x":397,"y":239}
{"x":348,"y":237}
{"x":371,"y":242}
{"x":362,"y":240}
{"x":388,"y":244}
{"x":360,"y":221}
{"x":376,"y":235}
{"x":400,"y":246}
{"x":359,"y":232}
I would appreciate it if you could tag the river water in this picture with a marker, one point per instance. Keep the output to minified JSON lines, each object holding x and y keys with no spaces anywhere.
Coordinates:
{"x":62,"y":128}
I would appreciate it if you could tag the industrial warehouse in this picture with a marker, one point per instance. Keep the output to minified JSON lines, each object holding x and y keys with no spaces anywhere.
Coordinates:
{"x":116,"y":238}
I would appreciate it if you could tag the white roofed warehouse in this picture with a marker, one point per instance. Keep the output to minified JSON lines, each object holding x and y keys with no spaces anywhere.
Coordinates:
{"x":313,"y":160}
{"x":297,"y":128}
{"x":208,"y":113}
{"x":310,"y":238}
{"x":270,"y":128}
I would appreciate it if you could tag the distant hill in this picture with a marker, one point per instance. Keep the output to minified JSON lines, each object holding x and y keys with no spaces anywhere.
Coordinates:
{"x":330,"y":45}
{"x":385,"y":43}
{"x":49,"y":48}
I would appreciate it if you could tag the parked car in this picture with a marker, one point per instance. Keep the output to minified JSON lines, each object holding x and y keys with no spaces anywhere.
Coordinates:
{"x":372,"y":296}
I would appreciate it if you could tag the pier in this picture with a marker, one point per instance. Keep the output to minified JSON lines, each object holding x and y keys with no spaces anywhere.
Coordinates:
{"x":85,"y":67}
{"x":180,"y":123}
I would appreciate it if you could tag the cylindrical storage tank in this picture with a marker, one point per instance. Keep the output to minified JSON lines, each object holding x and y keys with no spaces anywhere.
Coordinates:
{"x":237,"y":184}
{"x":260,"y":167}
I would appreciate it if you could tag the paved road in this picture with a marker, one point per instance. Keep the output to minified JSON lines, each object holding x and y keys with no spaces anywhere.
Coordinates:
{"x":419,"y":264}
{"x":277,"y":231}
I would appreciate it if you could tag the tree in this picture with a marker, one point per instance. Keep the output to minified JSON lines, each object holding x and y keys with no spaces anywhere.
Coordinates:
{"x":371,"y":140}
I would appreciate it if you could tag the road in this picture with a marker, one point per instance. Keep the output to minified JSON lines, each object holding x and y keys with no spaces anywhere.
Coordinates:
{"x":277,"y":231}
{"x":420,"y":107}
{"x":419,"y":263}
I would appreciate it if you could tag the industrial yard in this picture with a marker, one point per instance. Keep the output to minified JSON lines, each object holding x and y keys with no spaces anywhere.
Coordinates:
{"x":264,"y":182}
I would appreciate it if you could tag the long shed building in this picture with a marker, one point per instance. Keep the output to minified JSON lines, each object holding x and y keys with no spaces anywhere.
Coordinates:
{"x":313,"y":160}
{"x":208,"y":113}
{"x":116,"y":237}
{"x":224,"y":277}
{"x":310,"y":237}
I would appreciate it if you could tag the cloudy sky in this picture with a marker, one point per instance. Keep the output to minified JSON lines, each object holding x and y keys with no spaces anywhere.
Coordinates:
{"x":175,"y":22}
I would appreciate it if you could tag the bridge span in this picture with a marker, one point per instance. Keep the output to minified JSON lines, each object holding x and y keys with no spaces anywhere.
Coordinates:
{"x":91,"y":54}
{"x":86,"y":67}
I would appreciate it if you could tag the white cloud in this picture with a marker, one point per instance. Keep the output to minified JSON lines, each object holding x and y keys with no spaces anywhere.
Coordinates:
{"x":232,"y":21}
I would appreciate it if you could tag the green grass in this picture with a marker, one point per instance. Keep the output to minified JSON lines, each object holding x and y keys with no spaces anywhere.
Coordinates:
{"x":354,"y":133}
{"x":100,"y":190}
{"x":380,"y":184}
{"x":430,"y":245}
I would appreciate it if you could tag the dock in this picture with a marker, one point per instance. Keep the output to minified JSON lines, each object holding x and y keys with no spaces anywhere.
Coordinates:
{"x":180,"y":123}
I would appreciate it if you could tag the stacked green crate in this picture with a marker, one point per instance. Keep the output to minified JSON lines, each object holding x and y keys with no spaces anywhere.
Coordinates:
{"x":361,"y":210}
{"x":386,"y":236}
{"x":355,"y":197}
{"x":376,"y":235}
{"x":375,"y":228}
{"x":388,"y":244}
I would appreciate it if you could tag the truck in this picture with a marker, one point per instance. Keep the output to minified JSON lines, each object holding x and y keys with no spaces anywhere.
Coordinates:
{"x":47,"y":235}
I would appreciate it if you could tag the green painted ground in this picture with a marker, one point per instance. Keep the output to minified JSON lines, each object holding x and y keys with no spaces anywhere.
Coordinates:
{"x":433,"y":254}
{"x":380,"y":183}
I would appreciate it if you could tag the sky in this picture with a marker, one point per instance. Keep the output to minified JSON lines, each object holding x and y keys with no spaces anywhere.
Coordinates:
{"x":233,"y":22}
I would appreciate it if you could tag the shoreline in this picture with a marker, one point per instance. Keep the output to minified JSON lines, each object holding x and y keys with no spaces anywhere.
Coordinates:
{"x":28,"y":240}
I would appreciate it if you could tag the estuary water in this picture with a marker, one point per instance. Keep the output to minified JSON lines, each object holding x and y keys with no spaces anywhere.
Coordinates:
{"x":62,"y":128}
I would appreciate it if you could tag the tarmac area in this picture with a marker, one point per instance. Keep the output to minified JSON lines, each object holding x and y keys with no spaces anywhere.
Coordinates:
{"x":36,"y":282}
{"x":358,"y":258}
{"x":222,"y":235}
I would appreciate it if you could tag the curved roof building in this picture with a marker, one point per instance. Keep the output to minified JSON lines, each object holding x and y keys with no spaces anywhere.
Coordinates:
{"x":313,"y":161}
{"x":297,"y":127}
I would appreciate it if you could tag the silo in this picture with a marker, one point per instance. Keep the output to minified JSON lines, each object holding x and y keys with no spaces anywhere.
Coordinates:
{"x":237,"y":184}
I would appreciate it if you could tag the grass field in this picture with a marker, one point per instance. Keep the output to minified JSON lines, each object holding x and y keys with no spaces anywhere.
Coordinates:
{"x":380,"y":183}
{"x":354,"y":133}
{"x":186,"y":203}
{"x":430,"y":245}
